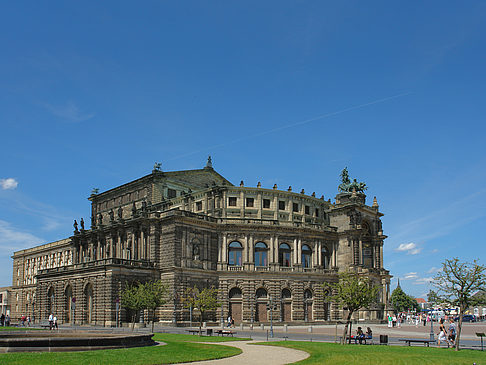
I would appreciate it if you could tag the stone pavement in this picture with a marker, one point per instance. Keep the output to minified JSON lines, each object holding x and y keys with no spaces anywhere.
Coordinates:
{"x":256,"y":355}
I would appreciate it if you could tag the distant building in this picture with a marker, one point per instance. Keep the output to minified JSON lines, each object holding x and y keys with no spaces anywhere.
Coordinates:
{"x":194,"y":227}
{"x":4,"y":300}
{"x":422,"y":303}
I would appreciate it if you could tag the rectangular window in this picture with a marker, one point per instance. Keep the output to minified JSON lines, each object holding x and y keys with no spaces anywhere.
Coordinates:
{"x":250,"y":202}
{"x":232,"y":201}
{"x":198,"y":206}
{"x":171,"y":193}
{"x":317,"y":212}
{"x":281,"y":205}
{"x":266,"y":203}
{"x":295,"y":207}
{"x":307,"y":209}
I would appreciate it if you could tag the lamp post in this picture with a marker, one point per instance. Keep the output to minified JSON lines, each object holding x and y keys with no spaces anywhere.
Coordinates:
{"x":222,"y":316}
{"x":431,"y":328}
{"x":271,"y":316}
{"x":305,"y":309}
{"x":73,"y":307}
{"x":117,"y":310}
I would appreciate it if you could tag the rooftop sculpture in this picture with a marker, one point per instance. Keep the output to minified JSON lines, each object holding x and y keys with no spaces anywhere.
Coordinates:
{"x":347,"y":186}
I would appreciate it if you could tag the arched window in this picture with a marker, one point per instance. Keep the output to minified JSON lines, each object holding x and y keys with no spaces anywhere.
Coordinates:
{"x":325,"y":257}
{"x":307,"y":294}
{"x":234,"y":253}
{"x":261,"y":250}
{"x":284,"y":255}
{"x":235,"y":293}
{"x":261,"y":293}
{"x":286,"y":294}
{"x":306,"y":256}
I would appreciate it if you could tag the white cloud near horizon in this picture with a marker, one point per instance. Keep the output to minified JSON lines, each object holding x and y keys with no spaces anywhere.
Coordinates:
{"x":12,"y":239}
{"x":410,"y":275}
{"x":70,"y":111}
{"x":9,"y":183}
{"x":410,"y":248}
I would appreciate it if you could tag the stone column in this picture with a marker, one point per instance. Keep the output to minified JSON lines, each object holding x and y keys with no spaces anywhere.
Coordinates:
{"x":118,"y":246}
{"x":319,"y":253}
{"x":251,"y":246}
{"x":224,"y":257}
{"x":271,"y":251}
{"x":299,"y":251}
{"x":360,"y":252}
{"x":295,"y":259}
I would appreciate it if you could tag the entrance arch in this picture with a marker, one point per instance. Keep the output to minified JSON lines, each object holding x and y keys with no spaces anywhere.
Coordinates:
{"x":261,"y":308}
{"x":88,"y":292}
{"x":235,"y":304}
{"x":286,"y":305}
{"x":68,"y":294}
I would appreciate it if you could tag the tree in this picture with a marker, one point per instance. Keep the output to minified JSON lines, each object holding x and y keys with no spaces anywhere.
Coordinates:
{"x":132,"y":299}
{"x":154,"y":295}
{"x":403,"y":302}
{"x":203,"y":300}
{"x":352,"y":292}
{"x":456,"y":285}
{"x":433,"y":299}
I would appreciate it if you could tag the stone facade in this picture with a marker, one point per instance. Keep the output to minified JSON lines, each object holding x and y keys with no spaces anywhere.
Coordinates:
{"x":194,"y":227}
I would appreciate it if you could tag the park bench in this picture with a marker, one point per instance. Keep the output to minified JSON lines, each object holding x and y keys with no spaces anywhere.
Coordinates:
{"x":225,"y":332}
{"x":367,"y":340}
{"x":194,"y":332}
{"x":409,"y":341}
{"x":209,"y":332}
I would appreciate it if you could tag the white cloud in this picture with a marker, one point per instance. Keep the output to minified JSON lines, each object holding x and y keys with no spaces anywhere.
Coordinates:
{"x":69,"y":111}
{"x":410,"y":248}
{"x":12,"y":239}
{"x":410,"y":275}
{"x":421,"y":281}
{"x":9,"y":183}
{"x":434,"y":270}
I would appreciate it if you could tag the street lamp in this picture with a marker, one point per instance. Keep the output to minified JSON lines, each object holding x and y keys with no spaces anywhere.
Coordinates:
{"x":270,"y":306}
{"x":431,"y":328}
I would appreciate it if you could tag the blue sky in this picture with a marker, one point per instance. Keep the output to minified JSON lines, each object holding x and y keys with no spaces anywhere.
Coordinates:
{"x":285,"y":92}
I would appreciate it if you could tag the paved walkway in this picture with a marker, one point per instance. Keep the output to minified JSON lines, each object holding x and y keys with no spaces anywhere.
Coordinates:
{"x":256,"y":355}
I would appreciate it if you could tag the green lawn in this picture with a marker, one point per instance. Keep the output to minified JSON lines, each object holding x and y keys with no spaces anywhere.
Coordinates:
{"x":335,"y":354}
{"x":18,"y":328}
{"x":178,"y":349}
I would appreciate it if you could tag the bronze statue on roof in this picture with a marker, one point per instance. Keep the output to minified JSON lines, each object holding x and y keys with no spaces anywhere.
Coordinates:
{"x":348,"y":186}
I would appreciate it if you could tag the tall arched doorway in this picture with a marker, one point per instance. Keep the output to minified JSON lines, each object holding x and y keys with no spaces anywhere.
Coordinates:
{"x":50,"y":301}
{"x":68,"y":295}
{"x":88,"y":292}
{"x":261,"y":307}
{"x":286,"y":305}
{"x":235,"y":304}
{"x":308,"y":306}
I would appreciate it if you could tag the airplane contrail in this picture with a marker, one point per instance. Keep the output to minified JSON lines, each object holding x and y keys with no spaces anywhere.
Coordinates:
{"x":291,"y":125}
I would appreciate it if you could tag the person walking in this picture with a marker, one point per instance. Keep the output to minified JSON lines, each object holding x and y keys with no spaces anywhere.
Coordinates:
{"x":55,"y":322}
{"x":442,"y":333}
{"x":51,"y":321}
{"x":229,"y":321}
{"x":452,"y":332}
